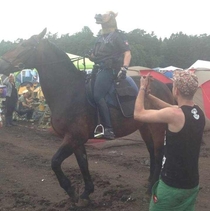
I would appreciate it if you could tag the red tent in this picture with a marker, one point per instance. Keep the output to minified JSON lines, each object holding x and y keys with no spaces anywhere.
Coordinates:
{"x":205,"y":87}
{"x":157,"y":75}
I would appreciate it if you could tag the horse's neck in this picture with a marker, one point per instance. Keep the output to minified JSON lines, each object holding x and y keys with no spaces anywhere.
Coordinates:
{"x":59,"y":78}
{"x":61,"y":86}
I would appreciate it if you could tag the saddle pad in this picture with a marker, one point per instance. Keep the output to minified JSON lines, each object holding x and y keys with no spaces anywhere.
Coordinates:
{"x":126,"y":93}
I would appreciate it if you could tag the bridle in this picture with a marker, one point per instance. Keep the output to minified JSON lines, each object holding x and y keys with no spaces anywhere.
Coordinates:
{"x":20,"y":66}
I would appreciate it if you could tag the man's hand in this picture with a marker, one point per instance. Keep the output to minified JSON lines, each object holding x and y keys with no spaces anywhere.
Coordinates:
{"x":145,"y":83}
{"x":122,"y":73}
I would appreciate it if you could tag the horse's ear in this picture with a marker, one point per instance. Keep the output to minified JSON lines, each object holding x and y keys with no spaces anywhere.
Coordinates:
{"x":41,"y":35}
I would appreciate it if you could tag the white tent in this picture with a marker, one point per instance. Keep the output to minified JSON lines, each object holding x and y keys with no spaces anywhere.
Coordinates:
{"x":81,"y":63}
{"x":200,"y":64}
{"x":170,"y":68}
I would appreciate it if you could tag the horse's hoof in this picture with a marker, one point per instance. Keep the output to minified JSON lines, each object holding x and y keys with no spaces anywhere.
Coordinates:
{"x":82,"y":202}
{"x":73,"y":194}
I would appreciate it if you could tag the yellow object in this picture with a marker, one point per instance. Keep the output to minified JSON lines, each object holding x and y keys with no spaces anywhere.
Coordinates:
{"x":38,"y":92}
{"x":41,"y":107}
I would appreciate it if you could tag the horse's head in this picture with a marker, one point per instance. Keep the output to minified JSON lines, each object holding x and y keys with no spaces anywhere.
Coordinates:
{"x":23,"y":56}
{"x":108,"y":21}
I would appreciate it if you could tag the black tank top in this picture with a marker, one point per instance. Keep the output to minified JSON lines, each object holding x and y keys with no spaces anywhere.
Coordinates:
{"x":180,"y":169}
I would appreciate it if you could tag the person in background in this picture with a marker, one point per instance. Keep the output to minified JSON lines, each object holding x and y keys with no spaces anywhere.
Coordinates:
{"x":1,"y":96}
{"x":1,"y":121}
{"x":30,"y":92}
{"x":178,"y":185}
{"x":11,"y":99}
{"x":24,"y":106}
{"x":111,"y":55}
{"x":1,"y":92}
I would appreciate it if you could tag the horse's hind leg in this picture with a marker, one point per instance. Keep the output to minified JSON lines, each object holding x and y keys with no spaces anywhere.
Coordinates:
{"x":82,"y":161}
{"x":63,"y":152}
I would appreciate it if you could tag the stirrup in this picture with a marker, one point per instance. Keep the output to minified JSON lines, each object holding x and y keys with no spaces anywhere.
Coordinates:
{"x":99,"y":131}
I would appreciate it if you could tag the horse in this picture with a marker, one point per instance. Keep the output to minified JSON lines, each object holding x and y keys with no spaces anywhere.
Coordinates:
{"x":73,"y":117}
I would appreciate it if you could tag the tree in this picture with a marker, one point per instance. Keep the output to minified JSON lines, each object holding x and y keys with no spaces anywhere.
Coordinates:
{"x":147,"y":50}
{"x":6,"y":46}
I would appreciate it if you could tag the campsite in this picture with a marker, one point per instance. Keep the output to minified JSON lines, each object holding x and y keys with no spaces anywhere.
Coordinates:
{"x":119,"y":168}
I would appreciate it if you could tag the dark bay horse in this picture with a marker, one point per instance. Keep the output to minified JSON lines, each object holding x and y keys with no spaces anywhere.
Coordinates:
{"x":72,"y":117}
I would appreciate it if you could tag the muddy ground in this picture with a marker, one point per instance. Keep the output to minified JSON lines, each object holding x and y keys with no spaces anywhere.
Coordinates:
{"x":119,"y":170}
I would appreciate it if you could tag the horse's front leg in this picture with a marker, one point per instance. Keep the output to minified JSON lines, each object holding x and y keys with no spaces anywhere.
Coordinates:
{"x":158,"y":135}
{"x":82,"y":161}
{"x":147,"y":137}
{"x":63,"y":152}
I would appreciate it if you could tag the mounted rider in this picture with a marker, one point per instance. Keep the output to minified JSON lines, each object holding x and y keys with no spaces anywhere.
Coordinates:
{"x":111,"y":55}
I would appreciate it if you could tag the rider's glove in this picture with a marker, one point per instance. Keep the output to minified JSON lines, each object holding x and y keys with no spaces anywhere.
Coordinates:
{"x":122,"y":72}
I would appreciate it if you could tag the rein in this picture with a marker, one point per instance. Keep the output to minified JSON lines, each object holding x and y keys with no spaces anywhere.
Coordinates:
{"x":78,"y":59}
{"x":21,"y":66}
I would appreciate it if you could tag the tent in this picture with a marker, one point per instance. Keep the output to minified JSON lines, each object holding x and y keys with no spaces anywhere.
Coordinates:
{"x":139,"y":70}
{"x":202,"y":97}
{"x":168,"y":71}
{"x":200,"y":64}
{"x":169,"y":68}
{"x":79,"y":62}
{"x":26,"y":75}
{"x":204,"y":104}
{"x":135,"y":70}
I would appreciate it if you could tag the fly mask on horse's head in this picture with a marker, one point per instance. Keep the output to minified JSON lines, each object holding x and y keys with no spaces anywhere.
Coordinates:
{"x":108,"y":22}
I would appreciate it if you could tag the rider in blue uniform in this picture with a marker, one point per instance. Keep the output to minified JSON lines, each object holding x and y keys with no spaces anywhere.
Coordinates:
{"x":111,"y":55}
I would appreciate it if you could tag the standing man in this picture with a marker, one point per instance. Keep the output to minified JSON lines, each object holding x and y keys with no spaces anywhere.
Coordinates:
{"x":11,"y":99}
{"x":1,"y":95}
{"x":111,"y":55}
{"x":178,"y":185}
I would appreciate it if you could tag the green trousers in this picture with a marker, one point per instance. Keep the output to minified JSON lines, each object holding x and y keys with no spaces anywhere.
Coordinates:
{"x":166,"y":198}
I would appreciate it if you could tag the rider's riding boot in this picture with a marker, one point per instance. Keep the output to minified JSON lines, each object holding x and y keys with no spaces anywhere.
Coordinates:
{"x":109,"y":134}
{"x":105,"y":119}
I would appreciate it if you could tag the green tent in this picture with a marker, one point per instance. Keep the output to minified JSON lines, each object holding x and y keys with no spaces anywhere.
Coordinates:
{"x":80,"y":63}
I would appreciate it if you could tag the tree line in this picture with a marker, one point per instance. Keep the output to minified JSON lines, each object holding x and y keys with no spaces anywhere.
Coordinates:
{"x":147,"y":50}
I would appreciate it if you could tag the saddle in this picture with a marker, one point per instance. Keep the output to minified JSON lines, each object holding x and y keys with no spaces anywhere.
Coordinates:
{"x":122,"y":95}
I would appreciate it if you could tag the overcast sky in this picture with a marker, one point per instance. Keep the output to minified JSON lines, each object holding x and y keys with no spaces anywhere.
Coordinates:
{"x":24,"y":18}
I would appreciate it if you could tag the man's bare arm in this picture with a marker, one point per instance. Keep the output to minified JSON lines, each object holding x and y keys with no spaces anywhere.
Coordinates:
{"x":158,"y":103}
